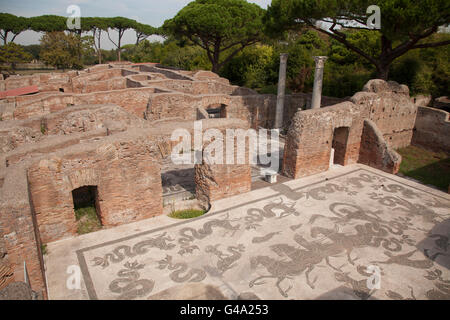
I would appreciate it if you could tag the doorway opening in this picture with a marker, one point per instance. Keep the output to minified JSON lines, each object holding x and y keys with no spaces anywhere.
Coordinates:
{"x":216,"y":111}
{"x":339,"y":145}
{"x":86,"y":208}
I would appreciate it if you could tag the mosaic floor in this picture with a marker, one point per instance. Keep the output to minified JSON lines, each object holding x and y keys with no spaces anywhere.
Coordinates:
{"x":350,"y":233}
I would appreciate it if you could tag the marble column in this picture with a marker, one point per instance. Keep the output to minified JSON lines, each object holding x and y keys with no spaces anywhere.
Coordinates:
{"x":318,"y":80}
{"x":281,"y":91}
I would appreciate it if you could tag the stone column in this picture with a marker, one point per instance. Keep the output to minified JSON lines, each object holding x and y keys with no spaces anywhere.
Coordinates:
{"x":281,"y":91}
{"x":318,"y":79}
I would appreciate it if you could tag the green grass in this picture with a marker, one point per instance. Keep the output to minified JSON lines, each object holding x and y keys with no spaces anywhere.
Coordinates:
{"x":426,"y":166}
{"x":186,"y":214}
{"x":87,"y":220}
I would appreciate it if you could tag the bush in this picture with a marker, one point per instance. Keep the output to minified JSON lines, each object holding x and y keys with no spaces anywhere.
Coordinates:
{"x":87,"y":220}
{"x":186,"y":214}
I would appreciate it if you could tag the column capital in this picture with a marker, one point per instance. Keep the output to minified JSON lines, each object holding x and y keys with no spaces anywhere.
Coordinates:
{"x":320,"y":61}
{"x":284,"y":56}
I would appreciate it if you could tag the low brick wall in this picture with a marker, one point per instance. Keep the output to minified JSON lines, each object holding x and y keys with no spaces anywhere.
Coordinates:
{"x":375,"y":152}
{"x":432,"y":129}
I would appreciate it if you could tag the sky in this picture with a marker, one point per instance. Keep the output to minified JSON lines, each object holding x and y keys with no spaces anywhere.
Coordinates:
{"x":152,"y":12}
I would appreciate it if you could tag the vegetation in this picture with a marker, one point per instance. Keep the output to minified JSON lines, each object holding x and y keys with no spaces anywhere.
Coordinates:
{"x":426,"y":166}
{"x":14,"y":25}
{"x":187,"y":214}
{"x":10,"y":24}
{"x":231,"y":37}
{"x":96,"y":26}
{"x":13,"y":54}
{"x":120,"y":24}
{"x":404,"y":25}
{"x":220,"y":27}
{"x":87,"y":220}
{"x":64,"y":51}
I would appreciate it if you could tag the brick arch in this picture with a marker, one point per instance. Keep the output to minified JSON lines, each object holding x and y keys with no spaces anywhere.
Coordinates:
{"x":83,"y":177}
{"x":215,"y":99}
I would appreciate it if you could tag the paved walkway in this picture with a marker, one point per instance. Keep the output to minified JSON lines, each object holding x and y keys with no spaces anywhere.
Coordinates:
{"x":321,"y":237}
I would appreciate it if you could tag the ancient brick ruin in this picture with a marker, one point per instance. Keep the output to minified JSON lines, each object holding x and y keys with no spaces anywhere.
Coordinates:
{"x":106,"y":130}
{"x":364,"y":129}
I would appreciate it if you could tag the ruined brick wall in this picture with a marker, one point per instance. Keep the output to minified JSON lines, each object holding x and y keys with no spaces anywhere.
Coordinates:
{"x":40,"y":104}
{"x":183,"y":106}
{"x":44,"y":81}
{"x":199,"y":87}
{"x":82,"y":118}
{"x":311,"y":134}
{"x":432,"y":129}
{"x":13,"y":137}
{"x":169,"y":105}
{"x":389,"y":106}
{"x":169,"y":74}
{"x":133,"y":100}
{"x":48,"y":145}
{"x":6,"y":275}
{"x":126,"y":175}
{"x":20,"y":238}
{"x":218,"y":181}
{"x":214,"y":182}
{"x":58,"y":140}
{"x":375,"y":152}
{"x":310,"y":138}
{"x":6,"y":272}
{"x":259,"y":109}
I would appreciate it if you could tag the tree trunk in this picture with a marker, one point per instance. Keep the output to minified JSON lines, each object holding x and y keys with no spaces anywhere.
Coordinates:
{"x":99,"y":46}
{"x":118,"y":45}
{"x":215,"y":67}
{"x":216,"y":58}
{"x":79,"y":45}
{"x":385,"y":59}
{"x":383,"y":72}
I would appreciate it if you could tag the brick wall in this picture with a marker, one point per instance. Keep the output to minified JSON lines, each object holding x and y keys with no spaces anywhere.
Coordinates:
{"x":128,"y":180}
{"x":375,"y":152}
{"x":17,"y":226}
{"x":218,"y":181}
{"x":310,"y":137}
{"x":432,"y":129}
